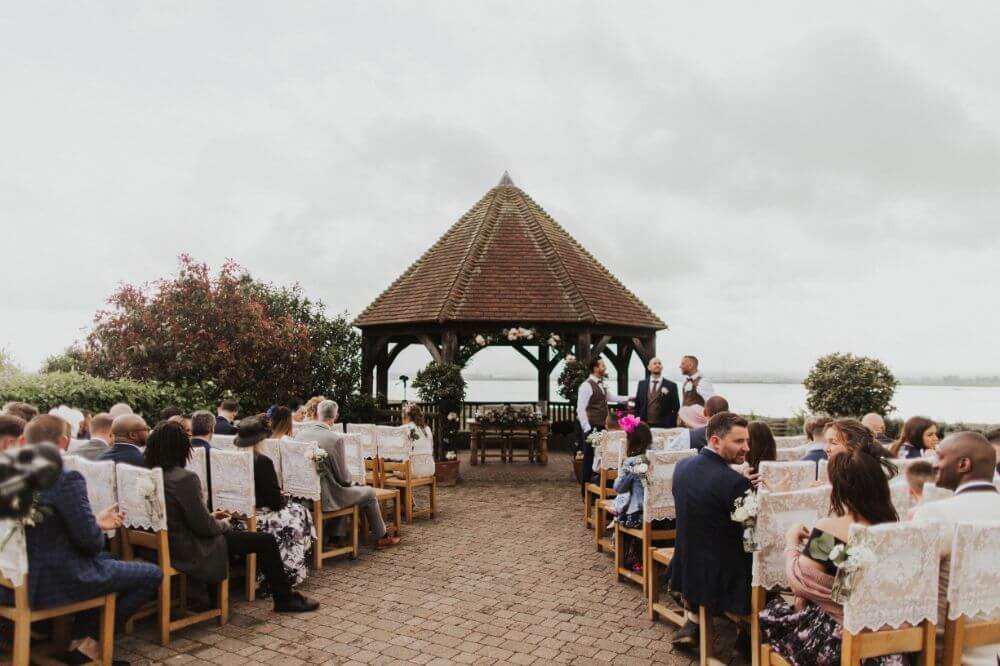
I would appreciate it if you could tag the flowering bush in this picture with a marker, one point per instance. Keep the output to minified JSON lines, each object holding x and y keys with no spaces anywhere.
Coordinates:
{"x":572,"y":376}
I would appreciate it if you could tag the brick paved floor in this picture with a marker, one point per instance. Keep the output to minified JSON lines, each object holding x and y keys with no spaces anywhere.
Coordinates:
{"x":505,"y":574}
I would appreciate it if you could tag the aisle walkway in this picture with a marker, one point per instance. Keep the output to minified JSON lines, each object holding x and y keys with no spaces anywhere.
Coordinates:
{"x":506,"y":574}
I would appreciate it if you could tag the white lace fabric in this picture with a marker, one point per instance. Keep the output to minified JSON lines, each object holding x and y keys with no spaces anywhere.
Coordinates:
{"x":778,"y":512}
{"x":901,"y":586}
{"x":354,"y":457}
{"x":369,"y":438}
{"x":14,"y":556}
{"x":298,"y":472}
{"x":974,"y":578}
{"x":823,"y":471}
{"x":613,"y":447}
{"x":393,"y":443}
{"x":102,"y":485}
{"x":791,"y":442}
{"x":932,"y":493}
{"x":902,"y":499}
{"x":272,"y":449}
{"x":142,"y":510}
{"x":790,"y":454}
{"x":786,"y":476}
{"x":232,"y":481}
{"x":224,"y":442}
{"x":658,"y":500}
{"x":663,"y":436}
{"x":199,"y":465}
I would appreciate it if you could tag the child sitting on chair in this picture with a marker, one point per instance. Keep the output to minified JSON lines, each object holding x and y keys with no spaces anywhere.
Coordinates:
{"x":918,"y":473}
{"x":629,"y":484}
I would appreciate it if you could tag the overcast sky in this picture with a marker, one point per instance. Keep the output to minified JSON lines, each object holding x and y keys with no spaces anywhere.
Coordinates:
{"x":777,"y":181}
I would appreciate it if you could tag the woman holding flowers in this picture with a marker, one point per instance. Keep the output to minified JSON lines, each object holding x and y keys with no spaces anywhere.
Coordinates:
{"x":809,"y":632}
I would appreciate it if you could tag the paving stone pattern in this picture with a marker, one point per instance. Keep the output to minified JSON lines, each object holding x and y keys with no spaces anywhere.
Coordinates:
{"x":505,"y":574}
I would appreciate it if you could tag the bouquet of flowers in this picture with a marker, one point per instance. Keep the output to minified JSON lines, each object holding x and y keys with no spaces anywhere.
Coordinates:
{"x":745,"y":510}
{"x":146,"y":487}
{"x":638,"y":466}
{"x":848,"y":560}
{"x":509,"y":417}
{"x":35,"y":516}
{"x":317,"y":456}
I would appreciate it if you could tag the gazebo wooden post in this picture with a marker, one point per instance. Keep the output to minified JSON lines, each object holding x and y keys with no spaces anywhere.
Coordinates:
{"x":382,"y":375}
{"x":544,"y":372}
{"x":449,"y":346}
{"x":367,"y":362}
{"x":583,"y":346}
{"x":621,"y":364}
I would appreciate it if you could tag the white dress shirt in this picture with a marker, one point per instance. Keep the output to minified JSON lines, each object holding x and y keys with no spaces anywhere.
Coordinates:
{"x":583,"y":397}
{"x":705,"y":388}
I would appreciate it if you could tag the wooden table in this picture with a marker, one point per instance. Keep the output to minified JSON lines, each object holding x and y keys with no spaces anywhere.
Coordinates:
{"x":538,"y":450}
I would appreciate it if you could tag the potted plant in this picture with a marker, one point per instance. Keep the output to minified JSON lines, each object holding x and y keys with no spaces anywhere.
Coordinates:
{"x":443,"y":385}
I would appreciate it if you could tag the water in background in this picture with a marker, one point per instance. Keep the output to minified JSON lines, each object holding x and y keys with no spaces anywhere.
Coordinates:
{"x":973,"y":404}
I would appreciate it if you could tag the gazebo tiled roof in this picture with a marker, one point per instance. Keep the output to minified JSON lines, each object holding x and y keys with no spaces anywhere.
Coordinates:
{"x":506,"y":260}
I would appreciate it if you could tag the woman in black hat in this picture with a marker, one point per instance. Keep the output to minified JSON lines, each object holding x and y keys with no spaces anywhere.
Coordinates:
{"x":288,"y":521}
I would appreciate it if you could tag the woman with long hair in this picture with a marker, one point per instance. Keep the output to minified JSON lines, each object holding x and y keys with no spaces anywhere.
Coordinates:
{"x":849,"y":435}
{"x":280,"y":418}
{"x":421,"y":441}
{"x":919,"y":435}
{"x":311,"y":405}
{"x":808,"y":632}
{"x":762,"y":445}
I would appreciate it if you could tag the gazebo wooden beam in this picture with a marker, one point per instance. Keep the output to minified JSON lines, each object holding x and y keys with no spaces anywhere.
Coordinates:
{"x":526,"y":354}
{"x":431,"y":346}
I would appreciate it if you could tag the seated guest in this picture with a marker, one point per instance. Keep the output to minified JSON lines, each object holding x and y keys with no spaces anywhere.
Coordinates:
{"x":338,"y":489}
{"x":281,"y":422}
{"x":710,"y":567}
{"x":631,"y":492}
{"x":100,"y":437}
{"x":917,"y":474}
{"x":11,"y":431}
{"x":200,"y":544}
{"x":20,"y":409}
{"x":966,"y":464}
{"x":289,"y":522}
{"x":421,"y":464}
{"x":695,"y":438}
{"x":297,"y":409}
{"x":815,"y":428}
{"x":918,"y":437}
{"x":67,"y":560}
{"x":809,"y":632}
{"x":119,"y":409}
{"x":202,"y":429}
{"x":692,"y":416}
{"x":310,"y":408}
{"x":47,"y":428}
{"x":183,"y":420}
{"x":226,"y":415}
{"x":171,"y":410}
{"x":762,"y":445}
{"x":83,"y":430}
{"x":994,"y":438}
{"x":876,"y":424}
{"x":130,"y":432}
{"x":843,"y":435}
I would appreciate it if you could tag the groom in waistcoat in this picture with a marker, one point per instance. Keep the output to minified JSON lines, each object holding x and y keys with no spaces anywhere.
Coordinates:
{"x":694,"y":382}
{"x":592,"y":413}
{"x":656,"y":398}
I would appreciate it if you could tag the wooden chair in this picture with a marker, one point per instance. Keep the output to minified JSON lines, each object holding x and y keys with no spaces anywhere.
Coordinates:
{"x":900,"y":589}
{"x":14,"y":577}
{"x":233,"y":491}
{"x":368,"y":433}
{"x":610,"y":454}
{"x":787,"y":475}
{"x":102,"y":488}
{"x":658,"y":505}
{"x":973,"y":617}
{"x":146,"y":527}
{"x":272,"y":449}
{"x":301,"y":480}
{"x":358,"y":466}
{"x":395,"y":450}
{"x":659,"y":560}
{"x":198,"y":463}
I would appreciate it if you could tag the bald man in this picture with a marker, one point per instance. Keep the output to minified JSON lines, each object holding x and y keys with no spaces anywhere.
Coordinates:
{"x":876,"y":424}
{"x":966,"y":465}
{"x":657,"y":398}
{"x":130,"y":432}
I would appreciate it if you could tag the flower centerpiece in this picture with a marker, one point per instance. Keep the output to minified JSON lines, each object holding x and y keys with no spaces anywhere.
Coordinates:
{"x":745,"y":511}
{"x":508,"y":417}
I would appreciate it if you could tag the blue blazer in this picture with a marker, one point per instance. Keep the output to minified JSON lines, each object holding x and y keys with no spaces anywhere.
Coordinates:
{"x":66,"y":558}
{"x":669,"y":403}
{"x":815,"y":455}
{"x":224,"y":427}
{"x":698,"y":437}
{"x":124,"y":453}
{"x":710,"y":567}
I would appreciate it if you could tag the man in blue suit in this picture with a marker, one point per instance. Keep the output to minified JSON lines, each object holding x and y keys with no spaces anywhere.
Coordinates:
{"x":815,"y":430}
{"x":130,"y":432}
{"x":657,"y":399}
{"x":66,"y":558}
{"x":227,"y":412}
{"x":710,"y":567}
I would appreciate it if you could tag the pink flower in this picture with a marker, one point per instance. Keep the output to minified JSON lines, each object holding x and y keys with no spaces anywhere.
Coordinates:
{"x":628,"y":423}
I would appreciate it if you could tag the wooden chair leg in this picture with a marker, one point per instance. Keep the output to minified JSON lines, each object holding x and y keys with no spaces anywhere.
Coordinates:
{"x":250,"y":565}
{"x":62,"y":628}
{"x":646,"y":547}
{"x":224,"y":602}
{"x":586,"y":509}
{"x":164,"y":614}
{"x":652,"y":590}
{"x":409,"y":502}
{"x":954,"y":638}
{"x":850,"y":649}
{"x":355,"y":527}
{"x":926,"y":656}
{"x":107,"y":630}
{"x":434,"y":487}
{"x":705,"y":636}
{"x":22,"y":639}
{"x":318,"y":524}
{"x":619,"y":560}
{"x":758,"y":598}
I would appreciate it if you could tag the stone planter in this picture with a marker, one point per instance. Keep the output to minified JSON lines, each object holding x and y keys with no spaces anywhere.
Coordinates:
{"x":446,"y":472}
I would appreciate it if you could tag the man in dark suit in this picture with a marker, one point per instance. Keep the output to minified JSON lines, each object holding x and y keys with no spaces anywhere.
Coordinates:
{"x":130,"y":432}
{"x":202,"y":427}
{"x":815,"y":428}
{"x":226,"y":415}
{"x":710,"y":567}
{"x":100,"y":438}
{"x":67,"y":560}
{"x":657,"y":399}
{"x":696,"y":438}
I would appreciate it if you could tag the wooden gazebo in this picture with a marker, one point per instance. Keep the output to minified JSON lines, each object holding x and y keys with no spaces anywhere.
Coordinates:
{"x":506,"y":265}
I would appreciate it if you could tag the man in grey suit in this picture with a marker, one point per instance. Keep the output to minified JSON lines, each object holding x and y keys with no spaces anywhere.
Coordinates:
{"x":338,"y":489}
{"x":100,"y":438}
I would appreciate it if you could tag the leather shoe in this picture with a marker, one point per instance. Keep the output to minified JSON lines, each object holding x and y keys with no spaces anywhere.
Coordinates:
{"x":295,"y":603}
{"x":386,"y":542}
{"x":686,"y":636}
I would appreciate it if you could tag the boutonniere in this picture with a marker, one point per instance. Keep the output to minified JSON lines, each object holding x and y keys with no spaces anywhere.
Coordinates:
{"x":664,"y":390}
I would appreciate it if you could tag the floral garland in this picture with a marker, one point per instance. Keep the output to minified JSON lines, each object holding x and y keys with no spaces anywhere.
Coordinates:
{"x":35,"y":516}
{"x":508,"y":417}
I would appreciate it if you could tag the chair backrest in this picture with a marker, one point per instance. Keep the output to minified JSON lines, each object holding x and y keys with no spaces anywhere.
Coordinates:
{"x":369,"y":438}
{"x":232,"y":481}
{"x":823,"y":471}
{"x":658,"y":500}
{"x":102,"y":485}
{"x":199,"y":465}
{"x":223,"y":442}
{"x":424,"y":444}
{"x":393,"y":443}
{"x":613,"y":448}
{"x":14,"y":555}
{"x":902,"y":499}
{"x":932,"y":493}
{"x":140,"y":496}
{"x":901,"y":585}
{"x":777,"y":512}
{"x":787,"y":475}
{"x":354,"y":456}
{"x":974,"y":579}
{"x":789,"y":455}
{"x":75,"y":444}
{"x":791,"y":442}
{"x":298,"y":472}
{"x":272,"y":449}
{"x":663,"y":436}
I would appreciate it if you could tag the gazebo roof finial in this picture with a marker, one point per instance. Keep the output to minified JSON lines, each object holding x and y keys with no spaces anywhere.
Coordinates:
{"x":506,"y":180}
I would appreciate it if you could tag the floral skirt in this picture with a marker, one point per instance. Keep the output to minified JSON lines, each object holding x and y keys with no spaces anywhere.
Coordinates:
{"x":809,"y":637}
{"x":293,"y":530}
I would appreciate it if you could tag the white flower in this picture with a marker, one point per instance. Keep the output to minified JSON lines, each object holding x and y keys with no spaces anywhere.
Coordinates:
{"x":858,"y":557}
{"x":553,"y":340}
{"x":146,"y":487}
{"x":315,"y":453}
{"x":512,"y":335}
{"x":452,"y":416}
{"x":836,"y":552}
{"x":641,"y":468}
{"x":739,"y":515}
{"x":480,"y":340}
{"x":451,"y":455}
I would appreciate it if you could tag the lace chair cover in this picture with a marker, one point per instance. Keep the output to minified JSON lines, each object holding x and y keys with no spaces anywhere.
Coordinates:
{"x":932,"y":493}
{"x":663,"y":436}
{"x":974,"y":580}
{"x":354,"y":455}
{"x":369,"y":439}
{"x":298,"y":472}
{"x":422,"y":454}
{"x":658,"y":501}
{"x":393,"y":444}
{"x":789,"y":455}
{"x":272,"y":449}
{"x":223,"y":442}
{"x":74,"y":444}
{"x":823,"y":471}
{"x":102,"y":485}
{"x":199,"y":465}
{"x":777,"y":513}
{"x":613,"y":447}
{"x":140,"y":496}
{"x":14,"y":556}
{"x":785,"y":476}
{"x":232,"y":481}
{"x":902,"y":499}
{"x":791,"y":442}
{"x":901,"y":586}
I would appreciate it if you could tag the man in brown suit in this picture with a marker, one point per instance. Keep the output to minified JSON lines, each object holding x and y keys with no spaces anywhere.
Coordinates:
{"x":592,"y":412}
